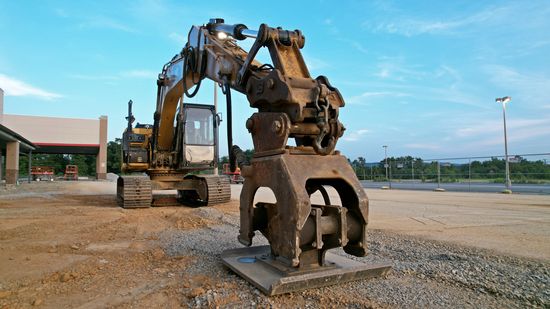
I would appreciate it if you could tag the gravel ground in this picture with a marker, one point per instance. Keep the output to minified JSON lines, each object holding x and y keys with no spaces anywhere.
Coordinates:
{"x":425,"y":274}
{"x":62,"y":249}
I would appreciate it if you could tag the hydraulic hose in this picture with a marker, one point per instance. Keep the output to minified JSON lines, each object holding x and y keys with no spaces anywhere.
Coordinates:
{"x":226,"y":89}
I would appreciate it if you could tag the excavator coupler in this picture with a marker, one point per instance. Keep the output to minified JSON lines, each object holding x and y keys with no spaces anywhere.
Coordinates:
{"x":299,"y":232}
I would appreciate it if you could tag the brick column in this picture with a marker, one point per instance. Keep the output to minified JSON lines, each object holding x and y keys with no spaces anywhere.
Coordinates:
{"x":12,"y":162}
{"x":101,"y":158}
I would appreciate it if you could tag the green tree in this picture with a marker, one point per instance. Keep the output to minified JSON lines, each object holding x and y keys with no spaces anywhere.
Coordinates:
{"x":86,"y":163}
{"x":114,"y":156}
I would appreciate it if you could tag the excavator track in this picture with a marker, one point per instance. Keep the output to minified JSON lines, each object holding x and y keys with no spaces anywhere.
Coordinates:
{"x":214,"y":190}
{"x":219,"y":189}
{"x":134,"y":192}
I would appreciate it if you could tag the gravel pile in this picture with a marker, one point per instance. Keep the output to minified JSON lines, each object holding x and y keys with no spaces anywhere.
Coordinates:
{"x":426,"y":274}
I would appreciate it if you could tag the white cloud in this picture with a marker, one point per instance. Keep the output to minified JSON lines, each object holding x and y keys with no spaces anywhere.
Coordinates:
{"x":102,"y":22}
{"x":359,"y":47}
{"x":527,"y":133}
{"x":16,"y":88}
{"x":514,"y":136}
{"x":525,"y":16}
{"x":355,"y":44}
{"x":525,"y":49}
{"x":121,"y":75}
{"x":532,"y":88}
{"x":61,"y":12}
{"x":314,"y":63}
{"x":490,"y":133}
{"x":497,"y":126}
{"x":446,"y":93}
{"x":155,"y":10}
{"x":423,"y":146}
{"x":140,"y":74}
{"x":178,"y":38}
{"x":445,"y":70}
{"x":94,"y":77}
{"x":365,"y":97}
{"x":330,"y":27}
{"x":398,"y":69}
{"x":407,"y":26}
{"x":384,"y":73}
{"x":438,"y":94}
{"x":411,"y":27}
{"x":356,"y":135}
{"x":445,"y":84}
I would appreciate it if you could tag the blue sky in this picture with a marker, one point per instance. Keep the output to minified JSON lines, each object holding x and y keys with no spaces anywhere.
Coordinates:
{"x":418,"y":76}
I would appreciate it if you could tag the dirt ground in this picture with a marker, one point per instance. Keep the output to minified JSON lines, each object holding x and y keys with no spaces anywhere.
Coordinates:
{"x":69,"y":245}
{"x":516,"y":225}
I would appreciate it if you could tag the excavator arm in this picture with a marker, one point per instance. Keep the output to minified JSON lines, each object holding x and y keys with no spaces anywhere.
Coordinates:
{"x":285,"y":86}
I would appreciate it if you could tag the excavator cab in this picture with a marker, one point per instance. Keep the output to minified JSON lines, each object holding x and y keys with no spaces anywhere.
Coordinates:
{"x":199,"y":134}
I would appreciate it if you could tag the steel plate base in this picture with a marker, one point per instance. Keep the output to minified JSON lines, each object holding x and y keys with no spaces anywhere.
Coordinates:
{"x":256,"y":266}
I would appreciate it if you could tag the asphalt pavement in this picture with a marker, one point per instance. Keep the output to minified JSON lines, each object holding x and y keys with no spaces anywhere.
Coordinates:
{"x":460,"y":186}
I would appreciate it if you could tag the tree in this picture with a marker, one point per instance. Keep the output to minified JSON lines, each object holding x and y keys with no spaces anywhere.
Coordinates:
{"x":249,"y":153}
{"x":86,"y":163}
{"x":114,"y":156}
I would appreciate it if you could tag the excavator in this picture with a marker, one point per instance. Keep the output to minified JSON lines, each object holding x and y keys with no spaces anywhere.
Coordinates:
{"x":172,"y":156}
{"x":291,"y":105}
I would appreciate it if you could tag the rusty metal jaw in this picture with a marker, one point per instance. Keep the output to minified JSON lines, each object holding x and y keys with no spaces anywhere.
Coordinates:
{"x":299,"y":233}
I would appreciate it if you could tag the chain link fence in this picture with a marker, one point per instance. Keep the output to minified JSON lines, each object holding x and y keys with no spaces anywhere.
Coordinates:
{"x":527,"y":171}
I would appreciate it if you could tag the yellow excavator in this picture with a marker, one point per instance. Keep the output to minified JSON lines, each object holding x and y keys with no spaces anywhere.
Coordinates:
{"x":290,"y":105}
{"x":171,"y":156}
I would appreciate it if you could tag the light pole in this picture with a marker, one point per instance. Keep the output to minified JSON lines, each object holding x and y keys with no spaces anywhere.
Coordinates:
{"x":386,"y":165}
{"x":386,"y":160}
{"x":363,"y":165}
{"x":505,"y":100}
{"x":412,"y":169}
